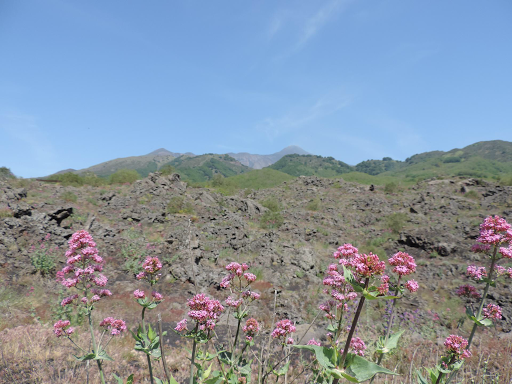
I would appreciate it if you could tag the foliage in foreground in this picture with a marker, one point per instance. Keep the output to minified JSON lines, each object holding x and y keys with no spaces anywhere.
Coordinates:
{"x":352,"y":281}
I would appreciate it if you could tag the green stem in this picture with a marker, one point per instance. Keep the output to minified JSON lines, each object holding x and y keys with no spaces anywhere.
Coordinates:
{"x":484,"y":296}
{"x":94,"y":349}
{"x":191,"y":380}
{"x":236,"y":336}
{"x":354,"y":325}
{"x":143,"y":322}
{"x":150,"y":369}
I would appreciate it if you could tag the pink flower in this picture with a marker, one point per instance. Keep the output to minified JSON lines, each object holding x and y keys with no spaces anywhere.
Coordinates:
{"x":369,"y":265}
{"x":251,"y":328}
{"x":357,"y":346}
{"x":250,"y":277}
{"x":404,"y":263}
{"x":59,"y":327}
{"x":456,"y":345}
{"x":283,"y":329}
{"x":494,"y":230}
{"x":116,"y":326}
{"x":181,"y":326}
{"x":412,"y":285}
{"x":383,"y":288}
{"x":68,"y":300}
{"x":152,"y":265}
{"x":384,"y":278}
{"x":506,"y":252}
{"x":492,"y":312}
{"x":251,"y":295}
{"x":289,"y":341}
{"x":480,"y":248}
{"x":314,"y":342}
{"x":230,"y":302}
{"x":138,"y":294}
{"x":478,"y":273}
{"x":157,"y":296}
{"x":468,"y":291}
{"x":204,"y":311}
{"x":346,"y":251}
{"x":95,"y":298}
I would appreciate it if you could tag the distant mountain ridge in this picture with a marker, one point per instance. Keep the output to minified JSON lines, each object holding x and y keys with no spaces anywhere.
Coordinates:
{"x":262,"y":161}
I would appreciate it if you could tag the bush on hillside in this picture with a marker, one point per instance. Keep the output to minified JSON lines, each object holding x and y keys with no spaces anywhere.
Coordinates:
{"x":124,"y":176}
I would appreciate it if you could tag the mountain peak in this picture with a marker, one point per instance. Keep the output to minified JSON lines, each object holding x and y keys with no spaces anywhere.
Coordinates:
{"x":160,"y":152}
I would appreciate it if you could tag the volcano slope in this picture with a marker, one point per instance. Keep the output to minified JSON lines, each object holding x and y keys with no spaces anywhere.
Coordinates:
{"x":287,"y":235}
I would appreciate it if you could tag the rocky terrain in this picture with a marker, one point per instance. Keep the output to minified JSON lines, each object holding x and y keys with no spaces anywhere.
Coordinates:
{"x":287,"y":234}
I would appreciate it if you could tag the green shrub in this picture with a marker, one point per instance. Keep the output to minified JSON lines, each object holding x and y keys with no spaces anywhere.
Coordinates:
{"x":434,"y":255}
{"x":177,"y":204}
{"x":390,"y":187}
{"x":43,"y":258}
{"x":472,"y":195}
{"x":271,"y":220}
{"x":69,"y":197}
{"x":167,"y":170}
{"x":313,"y":205}
{"x":5,"y":212}
{"x":124,"y":176}
{"x":68,"y":179}
{"x":396,"y":221}
{"x":92,"y":201}
{"x":272,"y":204}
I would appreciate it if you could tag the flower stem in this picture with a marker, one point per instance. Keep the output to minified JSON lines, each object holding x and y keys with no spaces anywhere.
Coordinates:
{"x":484,"y":296}
{"x":354,"y":325}
{"x":150,"y":369}
{"x":193,"y":358}
{"x":94,"y":349}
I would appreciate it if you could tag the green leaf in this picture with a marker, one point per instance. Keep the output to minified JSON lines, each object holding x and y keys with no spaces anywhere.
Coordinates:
{"x":118,"y":379}
{"x":89,"y":356}
{"x":363,"y":369}
{"x":338,"y":374}
{"x":216,"y":378}
{"x":421,"y":379}
{"x":102,"y":355}
{"x":324,"y":355}
{"x":151,"y":306}
{"x":130,"y":379}
{"x":151,"y":333}
{"x":351,"y":280}
{"x":392,"y":341}
{"x":207,"y":372}
{"x":225,"y":357}
{"x":283,"y":370}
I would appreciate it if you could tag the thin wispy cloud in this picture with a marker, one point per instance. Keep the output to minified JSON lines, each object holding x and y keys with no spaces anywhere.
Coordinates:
{"x":274,"y":127}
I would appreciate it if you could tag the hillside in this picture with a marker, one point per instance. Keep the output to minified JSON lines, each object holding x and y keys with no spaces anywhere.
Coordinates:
{"x":204,"y":167}
{"x":5,"y":173}
{"x":309,"y":165}
{"x":262,"y":161}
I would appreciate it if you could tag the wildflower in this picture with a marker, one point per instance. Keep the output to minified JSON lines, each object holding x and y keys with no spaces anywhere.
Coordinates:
{"x":289,"y":341}
{"x":383,"y":288}
{"x":346,"y":253}
{"x":251,"y":295}
{"x":314,"y":342}
{"x":157,"y":296}
{"x":181,"y":326}
{"x":357,"y":346}
{"x":68,"y":300}
{"x":492,"y":312}
{"x":283,"y":329}
{"x":478,"y":273}
{"x":369,"y":265}
{"x":456,"y":345}
{"x":230,"y":302}
{"x":494,"y":230}
{"x":138,"y":294}
{"x":412,"y":285}
{"x":250,"y":277}
{"x":506,"y":252}
{"x":251,"y":328}
{"x":204,"y":311}
{"x":468,"y":291}
{"x":116,"y":326}
{"x":480,"y":248}
{"x":404,"y":263}
{"x":59,"y":328}
{"x":152,"y":265}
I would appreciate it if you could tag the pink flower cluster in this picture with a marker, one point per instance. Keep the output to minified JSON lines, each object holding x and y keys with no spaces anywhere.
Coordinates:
{"x":181,"y":326}
{"x":456,"y":345}
{"x":368,"y":265}
{"x":238,"y":270}
{"x":341,"y":292}
{"x":138,"y":294}
{"x":150,"y":268}
{"x":283,"y":329}
{"x":468,"y":291}
{"x":59,"y":328}
{"x":403,"y":262}
{"x":251,"y":328}
{"x":492,"y":312}
{"x":314,"y":342}
{"x":81,"y":256}
{"x":204,"y":311}
{"x":345,"y":253}
{"x":412,"y":285}
{"x":357,"y":346}
{"x":495,"y":230}
{"x":115,"y":326}
{"x":477,"y":273}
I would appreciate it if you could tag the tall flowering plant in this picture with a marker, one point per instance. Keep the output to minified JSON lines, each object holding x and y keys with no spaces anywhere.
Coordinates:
{"x":83,"y":274}
{"x":495,"y":243}
{"x":146,"y":339}
{"x":355,"y":276}
{"x":205,"y":313}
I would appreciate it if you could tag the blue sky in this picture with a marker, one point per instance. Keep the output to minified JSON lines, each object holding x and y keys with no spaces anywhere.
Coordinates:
{"x":82,"y":82}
